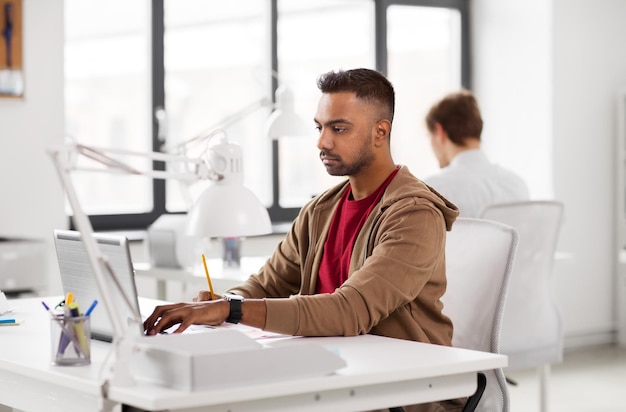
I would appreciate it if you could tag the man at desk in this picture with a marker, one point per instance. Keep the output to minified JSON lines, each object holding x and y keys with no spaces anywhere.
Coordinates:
{"x":366,"y":256}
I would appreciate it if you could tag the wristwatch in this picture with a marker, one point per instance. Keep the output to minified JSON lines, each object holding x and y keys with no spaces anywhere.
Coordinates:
{"x":235,"y":307}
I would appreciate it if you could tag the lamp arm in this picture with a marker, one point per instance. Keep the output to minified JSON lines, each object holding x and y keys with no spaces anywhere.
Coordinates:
{"x":96,"y":259}
{"x":102,"y":151}
{"x":249,"y":109}
{"x":201,"y":169}
{"x":209,"y":133}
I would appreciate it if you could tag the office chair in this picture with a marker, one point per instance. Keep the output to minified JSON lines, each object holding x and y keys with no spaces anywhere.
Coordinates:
{"x":472,"y":401}
{"x":532,"y":332}
{"x":479,"y":260}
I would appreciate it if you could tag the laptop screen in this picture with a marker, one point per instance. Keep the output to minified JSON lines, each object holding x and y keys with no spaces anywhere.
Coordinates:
{"x":77,"y":277}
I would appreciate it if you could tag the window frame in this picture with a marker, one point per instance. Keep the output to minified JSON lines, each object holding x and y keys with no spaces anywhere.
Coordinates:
{"x":277,"y":213}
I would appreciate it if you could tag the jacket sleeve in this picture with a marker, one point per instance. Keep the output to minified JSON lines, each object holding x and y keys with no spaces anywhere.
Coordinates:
{"x":409,"y":243}
{"x":281,"y":276}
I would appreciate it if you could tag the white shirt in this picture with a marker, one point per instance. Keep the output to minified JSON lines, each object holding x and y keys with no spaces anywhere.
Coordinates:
{"x":472,"y":182}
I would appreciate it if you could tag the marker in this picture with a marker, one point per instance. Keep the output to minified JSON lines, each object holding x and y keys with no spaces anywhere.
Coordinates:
{"x":6,"y":321}
{"x":74,"y":311}
{"x":78,"y":328}
{"x":90,"y":309}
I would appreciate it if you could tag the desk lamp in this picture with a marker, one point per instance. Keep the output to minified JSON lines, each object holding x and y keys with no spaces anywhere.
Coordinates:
{"x":225,"y":208}
{"x":282,"y":122}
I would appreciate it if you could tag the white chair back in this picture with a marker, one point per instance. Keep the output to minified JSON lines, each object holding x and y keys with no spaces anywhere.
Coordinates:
{"x":532,"y":332}
{"x":479,"y":259}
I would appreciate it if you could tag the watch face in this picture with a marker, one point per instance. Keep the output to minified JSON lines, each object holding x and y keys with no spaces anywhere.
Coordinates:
{"x":233,"y":297}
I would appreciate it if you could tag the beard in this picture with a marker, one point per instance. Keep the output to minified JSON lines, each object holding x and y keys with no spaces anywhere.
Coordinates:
{"x":338,"y":167}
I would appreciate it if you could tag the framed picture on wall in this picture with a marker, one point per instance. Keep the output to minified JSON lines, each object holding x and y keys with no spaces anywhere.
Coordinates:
{"x":11,"y":72}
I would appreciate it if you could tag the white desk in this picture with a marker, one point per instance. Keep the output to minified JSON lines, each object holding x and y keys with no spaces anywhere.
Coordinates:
{"x":222,"y":279}
{"x":381,"y":372}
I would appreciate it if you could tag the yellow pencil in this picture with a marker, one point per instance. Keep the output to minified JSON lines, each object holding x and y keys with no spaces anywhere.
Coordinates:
{"x":69,"y":298}
{"x":208,"y":278}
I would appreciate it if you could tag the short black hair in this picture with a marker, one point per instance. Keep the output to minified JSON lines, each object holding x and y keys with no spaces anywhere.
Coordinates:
{"x":367,"y":84}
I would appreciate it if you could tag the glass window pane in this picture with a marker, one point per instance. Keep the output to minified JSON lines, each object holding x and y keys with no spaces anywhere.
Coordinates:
{"x":316,"y":36}
{"x":107,"y":96}
{"x":424,"y":63}
{"x":217,"y":71}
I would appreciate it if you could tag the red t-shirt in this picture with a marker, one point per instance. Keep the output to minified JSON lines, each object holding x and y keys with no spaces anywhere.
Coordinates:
{"x":344,"y":228}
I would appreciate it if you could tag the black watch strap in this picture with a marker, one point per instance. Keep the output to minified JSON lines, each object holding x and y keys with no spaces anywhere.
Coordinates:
{"x":235,"y":308}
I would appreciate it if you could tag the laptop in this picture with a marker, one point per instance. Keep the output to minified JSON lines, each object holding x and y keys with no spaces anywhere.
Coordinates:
{"x":77,"y":277}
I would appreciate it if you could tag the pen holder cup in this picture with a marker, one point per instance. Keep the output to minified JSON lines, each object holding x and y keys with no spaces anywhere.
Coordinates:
{"x":70,"y":340}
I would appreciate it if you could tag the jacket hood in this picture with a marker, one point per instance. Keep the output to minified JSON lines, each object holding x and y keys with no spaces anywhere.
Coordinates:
{"x":405,"y":184}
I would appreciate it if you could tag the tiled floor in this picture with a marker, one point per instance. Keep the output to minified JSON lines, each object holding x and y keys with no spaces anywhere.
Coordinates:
{"x":588,"y":380}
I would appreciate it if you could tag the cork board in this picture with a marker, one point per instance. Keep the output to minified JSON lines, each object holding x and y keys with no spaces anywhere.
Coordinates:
{"x":11,"y":69}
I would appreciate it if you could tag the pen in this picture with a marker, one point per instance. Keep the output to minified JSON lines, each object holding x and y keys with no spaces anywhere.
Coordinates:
{"x":6,"y":321}
{"x":90,"y":309}
{"x":48,"y":310}
{"x":208,"y":278}
{"x":64,"y":340}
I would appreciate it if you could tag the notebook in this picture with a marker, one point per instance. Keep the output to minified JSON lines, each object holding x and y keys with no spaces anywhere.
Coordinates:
{"x":77,"y":277}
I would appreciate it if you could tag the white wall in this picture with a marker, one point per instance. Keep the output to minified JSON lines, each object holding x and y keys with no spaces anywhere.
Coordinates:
{"x":589,"y":69}
{"x":32,"y":202}
{"x":546,"y":74}
{"x":512,"y":74}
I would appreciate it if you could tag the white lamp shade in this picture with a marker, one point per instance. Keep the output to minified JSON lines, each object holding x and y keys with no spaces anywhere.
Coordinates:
{"x":228,"y":210}
{"x":284,"y":121}
{"x":284,"y":124}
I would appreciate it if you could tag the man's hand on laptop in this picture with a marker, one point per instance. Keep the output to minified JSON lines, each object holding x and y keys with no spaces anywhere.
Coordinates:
{"x":186,"y":314}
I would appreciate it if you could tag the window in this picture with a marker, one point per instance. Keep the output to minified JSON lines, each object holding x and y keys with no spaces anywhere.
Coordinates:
{"x":208,"y":80}
{"x":197,"y":64}
{"x":424,"y":63}
{"x":314,"y":37}
{"x":107,"y":96}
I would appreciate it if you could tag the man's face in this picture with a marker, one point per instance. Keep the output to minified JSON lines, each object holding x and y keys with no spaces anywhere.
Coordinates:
{"x":345,"y":124}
